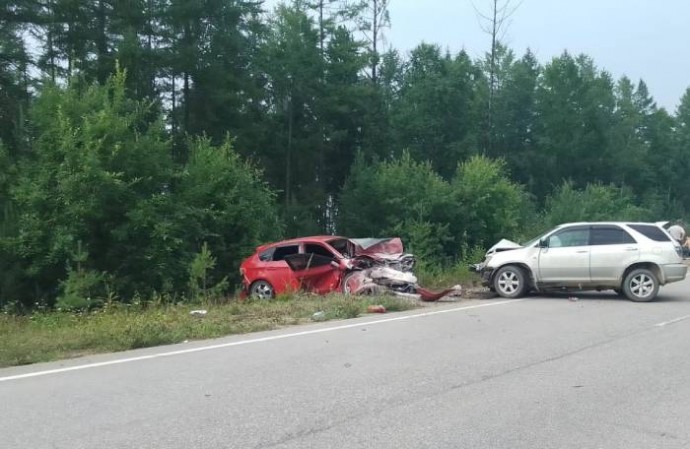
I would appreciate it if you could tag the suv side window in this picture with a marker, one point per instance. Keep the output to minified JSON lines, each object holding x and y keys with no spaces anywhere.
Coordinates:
{"x":282,"y":251}
{"x":651,"y":232}
{"x":611,"y":235}
{"x":569,"y":237}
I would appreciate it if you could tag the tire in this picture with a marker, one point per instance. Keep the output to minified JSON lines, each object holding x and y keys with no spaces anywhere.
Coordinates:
{"x":619,"y":292}
{"x":346,"y":288}
{"x":641,"y":285}
{"x":262,"y":290}
{"x":510,"y":282}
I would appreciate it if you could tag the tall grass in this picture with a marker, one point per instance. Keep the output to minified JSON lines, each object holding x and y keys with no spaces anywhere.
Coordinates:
{"x":50,"y":335}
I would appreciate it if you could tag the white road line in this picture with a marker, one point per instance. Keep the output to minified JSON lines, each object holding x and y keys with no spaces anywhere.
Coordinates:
{"x":251,"y":341}
{"x":666,"y":323}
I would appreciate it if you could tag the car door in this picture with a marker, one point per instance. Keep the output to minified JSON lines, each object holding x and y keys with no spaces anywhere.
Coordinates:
{"x":317,"y":269}
{"x":612,"y":250}
{"x":564,"y":259}
{"x":276,"y":270}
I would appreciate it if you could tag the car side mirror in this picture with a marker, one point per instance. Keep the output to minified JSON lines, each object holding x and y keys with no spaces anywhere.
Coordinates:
{"x":543,"y":243}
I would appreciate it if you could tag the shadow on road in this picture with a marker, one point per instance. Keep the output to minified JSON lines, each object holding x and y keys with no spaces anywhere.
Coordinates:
{"x":608,"y":295}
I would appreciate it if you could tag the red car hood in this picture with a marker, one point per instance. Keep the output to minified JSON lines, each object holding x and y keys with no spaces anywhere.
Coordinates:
{"x":375,"y":247}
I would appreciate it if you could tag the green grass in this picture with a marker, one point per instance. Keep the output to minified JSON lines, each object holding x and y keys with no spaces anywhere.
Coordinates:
{"x":439,"y":279}
{"x":54,"y":335}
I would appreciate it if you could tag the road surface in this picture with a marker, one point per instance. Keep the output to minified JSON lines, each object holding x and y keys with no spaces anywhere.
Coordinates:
{"x":599,"y":372}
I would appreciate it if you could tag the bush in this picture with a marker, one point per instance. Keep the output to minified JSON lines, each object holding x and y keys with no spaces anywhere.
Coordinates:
{"x":200,"y":283}
{"x":488,"y":205}
{"x":597,"y":202}
{"x":82,"y":290}
{"x":101,"y":178}
{"x":399,"y":197}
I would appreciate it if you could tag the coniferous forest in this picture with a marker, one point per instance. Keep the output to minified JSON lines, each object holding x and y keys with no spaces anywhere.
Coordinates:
{"x":148,"y":144}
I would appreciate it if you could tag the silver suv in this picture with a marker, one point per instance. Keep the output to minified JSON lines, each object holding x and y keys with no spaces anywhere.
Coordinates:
{"x":633,"y":259}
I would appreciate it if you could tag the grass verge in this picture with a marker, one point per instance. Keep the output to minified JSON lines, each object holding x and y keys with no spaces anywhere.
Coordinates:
{"x":48,"y":336}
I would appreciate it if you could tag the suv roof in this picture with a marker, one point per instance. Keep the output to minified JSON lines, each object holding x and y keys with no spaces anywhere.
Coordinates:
{"x":618,"y":223}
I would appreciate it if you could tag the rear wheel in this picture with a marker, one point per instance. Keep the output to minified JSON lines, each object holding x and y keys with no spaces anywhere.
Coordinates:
{"x":641,"y":285}
{"x":261,"y":290}
{"x":510,"y":282}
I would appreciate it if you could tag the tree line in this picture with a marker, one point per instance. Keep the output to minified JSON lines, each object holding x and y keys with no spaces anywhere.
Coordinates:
{"x":144,"y":143}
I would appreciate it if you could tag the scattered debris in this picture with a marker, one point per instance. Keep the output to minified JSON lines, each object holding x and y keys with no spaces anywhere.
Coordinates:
{"x":319,"y":316}
{"x":199,"y":313}
{"x":376,"y":309}
{"x":386,"y":280}
{"x":479,"y":293}
{"x":573,"y":298}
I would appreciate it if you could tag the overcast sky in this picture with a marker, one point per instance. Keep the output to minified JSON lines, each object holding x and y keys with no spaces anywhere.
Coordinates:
{"x":647,"y":39}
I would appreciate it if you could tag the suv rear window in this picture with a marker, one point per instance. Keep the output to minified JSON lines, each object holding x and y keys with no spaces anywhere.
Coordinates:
{"x":651,"y":232}
{"x":611,"y":235}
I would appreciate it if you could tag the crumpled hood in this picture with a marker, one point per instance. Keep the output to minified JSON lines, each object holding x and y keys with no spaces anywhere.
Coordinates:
{"x":378,"y":247}
{"x":503,"y":245}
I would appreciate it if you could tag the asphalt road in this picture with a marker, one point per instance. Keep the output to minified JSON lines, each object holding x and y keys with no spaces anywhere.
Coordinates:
{"x":599,"y":372}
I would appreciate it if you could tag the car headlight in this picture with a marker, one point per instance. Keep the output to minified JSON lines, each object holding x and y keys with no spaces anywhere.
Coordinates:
{"x":478,"y":267}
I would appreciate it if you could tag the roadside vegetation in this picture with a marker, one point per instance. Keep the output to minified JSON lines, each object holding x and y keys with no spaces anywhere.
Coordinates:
{"x":46,"y":335}
{"x":142,"y":157}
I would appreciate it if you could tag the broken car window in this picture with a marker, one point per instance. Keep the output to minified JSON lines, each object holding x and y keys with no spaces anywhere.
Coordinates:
{"x":283,"y":251}
{"x":318,"y":250}
{"x":301,"y":262}
{"x":267,"y":255}
{"x":342,"y":246}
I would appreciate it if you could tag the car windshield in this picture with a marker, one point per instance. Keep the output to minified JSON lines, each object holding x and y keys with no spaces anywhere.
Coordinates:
{"x":534,"y":240}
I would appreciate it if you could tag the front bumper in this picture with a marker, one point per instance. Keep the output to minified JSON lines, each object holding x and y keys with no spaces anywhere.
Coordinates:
{"x":674,"y":272}
{"x":486,"y":274}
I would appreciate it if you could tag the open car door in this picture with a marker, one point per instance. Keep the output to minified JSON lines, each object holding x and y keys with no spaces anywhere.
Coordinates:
{"x":315,"y":272}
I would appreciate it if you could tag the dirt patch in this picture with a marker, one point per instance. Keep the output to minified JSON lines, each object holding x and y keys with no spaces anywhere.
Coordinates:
{"x":479,"y":293}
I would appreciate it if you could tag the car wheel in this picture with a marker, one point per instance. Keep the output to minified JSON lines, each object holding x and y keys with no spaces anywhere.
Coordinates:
{"x":261,"y":290}
{"x":641,"y":285}
{"x":510,"y":282}
{"x":346,"y":287}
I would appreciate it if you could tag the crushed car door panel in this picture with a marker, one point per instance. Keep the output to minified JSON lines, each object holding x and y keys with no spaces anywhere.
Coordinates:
{"x":317,"y":269}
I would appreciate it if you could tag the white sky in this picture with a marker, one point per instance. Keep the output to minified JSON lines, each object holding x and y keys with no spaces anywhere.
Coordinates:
{"x":646,"y":39}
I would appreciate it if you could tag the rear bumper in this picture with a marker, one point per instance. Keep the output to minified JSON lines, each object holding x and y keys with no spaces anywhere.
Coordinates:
{"x":674,"y":272}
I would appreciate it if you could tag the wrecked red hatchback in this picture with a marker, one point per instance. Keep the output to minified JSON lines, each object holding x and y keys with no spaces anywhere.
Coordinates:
{"x":321,"y":264}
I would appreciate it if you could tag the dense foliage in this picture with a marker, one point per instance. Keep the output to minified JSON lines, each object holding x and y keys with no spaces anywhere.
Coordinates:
{"x":147,"y":146}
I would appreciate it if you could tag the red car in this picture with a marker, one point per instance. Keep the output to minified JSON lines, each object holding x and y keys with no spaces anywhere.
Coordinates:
{"x":315,"y":264}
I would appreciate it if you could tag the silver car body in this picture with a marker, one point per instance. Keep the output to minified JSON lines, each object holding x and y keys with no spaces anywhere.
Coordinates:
{"x":590,"y":256}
